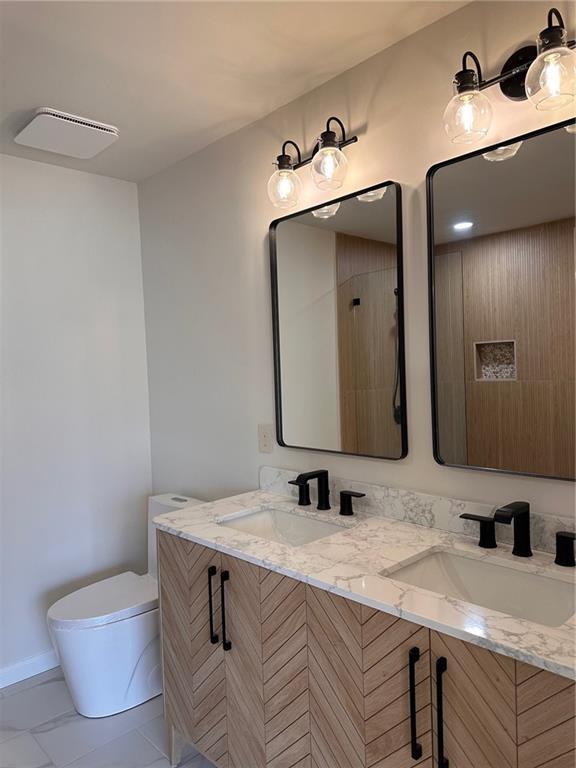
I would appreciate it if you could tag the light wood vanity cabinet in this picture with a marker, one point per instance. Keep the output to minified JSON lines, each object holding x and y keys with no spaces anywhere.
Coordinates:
{"x":301,"y":678}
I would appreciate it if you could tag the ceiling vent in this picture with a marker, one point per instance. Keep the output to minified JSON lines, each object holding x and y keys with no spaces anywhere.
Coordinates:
{"x":55,"y":131}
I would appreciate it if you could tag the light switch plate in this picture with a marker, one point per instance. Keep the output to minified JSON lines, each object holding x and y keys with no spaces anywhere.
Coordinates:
{"x":266,"y":438}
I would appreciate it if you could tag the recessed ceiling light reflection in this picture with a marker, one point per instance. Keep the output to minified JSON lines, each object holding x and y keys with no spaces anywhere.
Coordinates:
{"x":502,"y":153}
{"x":374,"y":194}
{"x":462,"y":226}
{"x":327,"y":211}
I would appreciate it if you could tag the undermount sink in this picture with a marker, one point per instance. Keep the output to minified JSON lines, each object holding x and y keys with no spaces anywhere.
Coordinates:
{"x":518,"y":593}
{"x":281,"y":526}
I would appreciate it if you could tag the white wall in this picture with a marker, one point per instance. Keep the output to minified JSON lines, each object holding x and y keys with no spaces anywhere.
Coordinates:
{"x":75,"y":422}
{"x":307,"y":301}
{"x":206,"y":275}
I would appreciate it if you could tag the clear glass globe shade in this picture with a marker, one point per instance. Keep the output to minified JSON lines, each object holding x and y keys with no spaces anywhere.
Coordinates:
{"x":284,"y":188}
{"x":372,"y":196}
{"x":328,"y":167}
{"x":551,"y":79}
{"x":327,"y":211}
{"x":467,"y":117}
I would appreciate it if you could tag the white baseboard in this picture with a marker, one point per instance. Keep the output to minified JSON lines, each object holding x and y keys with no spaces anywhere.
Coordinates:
{"x":28,"y":668}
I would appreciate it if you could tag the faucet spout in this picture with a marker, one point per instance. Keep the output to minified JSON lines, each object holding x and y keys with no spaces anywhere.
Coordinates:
{"x":321,"y":475}
{"x":518,"y":514}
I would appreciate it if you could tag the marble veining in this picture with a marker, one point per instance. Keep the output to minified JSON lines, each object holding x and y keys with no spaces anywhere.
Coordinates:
{"x":349,"y":563}
{"x":422,"y":508}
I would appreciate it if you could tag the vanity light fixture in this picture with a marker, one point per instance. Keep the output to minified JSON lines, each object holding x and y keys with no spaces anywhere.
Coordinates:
{"x":502,"y":153}
{"x":462,"y":226}
{"x":551,"y":79}
{"x":326,"y":212}
{"x":545,"y":74}
{"x":468,"y":115}
{"x":372,"y":196}
{"x":328,"y":165}
{"x":284,"y":186}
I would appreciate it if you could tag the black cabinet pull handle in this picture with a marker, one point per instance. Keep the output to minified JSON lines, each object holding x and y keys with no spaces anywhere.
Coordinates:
{"x":224,"y":577}
{"x":213,"y":635}
{"x":413,"y":658}
{"x":441,"y":667}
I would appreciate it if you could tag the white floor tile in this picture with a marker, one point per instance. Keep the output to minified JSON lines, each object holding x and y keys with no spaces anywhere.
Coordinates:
{"x":24,"y":710}
{"x":23,"y":752}
{"x":155,"y":731}
{"x":30,"y":682}
{"x":129,"y":751}
{"x":72,"y":736}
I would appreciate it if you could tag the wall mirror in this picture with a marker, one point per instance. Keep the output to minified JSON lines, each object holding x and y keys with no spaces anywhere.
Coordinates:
{"x":338,"y":325}
{"x":502,"y":317}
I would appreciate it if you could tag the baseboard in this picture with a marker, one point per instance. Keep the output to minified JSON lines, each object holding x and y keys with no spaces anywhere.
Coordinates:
{"x":28,"y":668}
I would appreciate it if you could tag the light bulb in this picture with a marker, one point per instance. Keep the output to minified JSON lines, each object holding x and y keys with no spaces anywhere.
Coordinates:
{"x":467,"y":117}
{"x":328,"y":167}
{"x":284,"y":187}
{"x":327,"y":211}
{"x":571,"y":128}
{"x":502,"y":153}
{"x":551,"y":79}
{"x":372,"y":196}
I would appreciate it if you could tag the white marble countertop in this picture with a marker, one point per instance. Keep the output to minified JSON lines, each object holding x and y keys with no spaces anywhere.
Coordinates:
{"x":349,"y":562}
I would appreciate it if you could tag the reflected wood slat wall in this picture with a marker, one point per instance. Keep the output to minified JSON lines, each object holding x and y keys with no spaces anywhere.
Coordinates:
{"x":366,"y":269}
{"x":517,"y":285}
{"x":450,"y":378}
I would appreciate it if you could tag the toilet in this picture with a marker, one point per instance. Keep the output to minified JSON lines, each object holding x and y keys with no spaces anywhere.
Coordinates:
{"x":107,"y":635}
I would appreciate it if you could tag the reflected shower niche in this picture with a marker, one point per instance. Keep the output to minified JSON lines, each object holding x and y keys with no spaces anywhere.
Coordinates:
{"x":495,"y":360}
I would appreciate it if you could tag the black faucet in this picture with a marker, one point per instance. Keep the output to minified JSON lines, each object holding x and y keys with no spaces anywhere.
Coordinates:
{"x":517,"y":512}
{"x":565,"y":549}
{"x":323,"y":488}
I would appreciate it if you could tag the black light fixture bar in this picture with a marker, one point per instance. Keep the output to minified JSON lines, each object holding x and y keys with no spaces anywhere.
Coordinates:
{"x":514,"y":70}
{"x":327,"y":135}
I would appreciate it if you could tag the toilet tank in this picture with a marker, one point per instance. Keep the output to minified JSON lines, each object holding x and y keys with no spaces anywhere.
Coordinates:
{"x":160,"y":505}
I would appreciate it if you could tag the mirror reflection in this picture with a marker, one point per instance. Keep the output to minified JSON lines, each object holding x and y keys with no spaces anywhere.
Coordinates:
{"x":338,"y":326}
{"x":503,"y":307}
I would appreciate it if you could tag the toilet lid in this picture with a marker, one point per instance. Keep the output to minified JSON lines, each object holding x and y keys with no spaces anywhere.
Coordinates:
{"x":105,"y":601}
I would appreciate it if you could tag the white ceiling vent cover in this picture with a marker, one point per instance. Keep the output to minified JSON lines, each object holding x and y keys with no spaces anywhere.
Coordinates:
{"x":55,"y":131}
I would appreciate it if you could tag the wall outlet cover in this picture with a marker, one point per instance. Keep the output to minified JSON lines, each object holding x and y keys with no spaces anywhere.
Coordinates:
{"x":266,"y":438}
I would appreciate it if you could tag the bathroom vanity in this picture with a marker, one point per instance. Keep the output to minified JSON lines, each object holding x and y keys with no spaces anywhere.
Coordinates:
{"x":329,"y":654}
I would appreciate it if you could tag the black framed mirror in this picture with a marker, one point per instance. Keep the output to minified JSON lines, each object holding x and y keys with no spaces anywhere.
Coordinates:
{"x":502,"y":305}
{"x":338,"y":328}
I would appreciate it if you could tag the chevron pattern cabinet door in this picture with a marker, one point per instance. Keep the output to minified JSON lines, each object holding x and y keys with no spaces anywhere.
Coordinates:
{"x":209,"y":732}
{"x":285,"y":671}
{"x":479,"y":703}
{"x":194,"y":672}
{"x":359,"y":692}
{"x":266,"y":669}
{"x":546,"y":719}
{"x":244,"y":686}
{"x":173,"y":561}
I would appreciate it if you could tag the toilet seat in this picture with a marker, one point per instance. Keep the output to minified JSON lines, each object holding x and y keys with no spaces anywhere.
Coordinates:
{"x":105,"y":602}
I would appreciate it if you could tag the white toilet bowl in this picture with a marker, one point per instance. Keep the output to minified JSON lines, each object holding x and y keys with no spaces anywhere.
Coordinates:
{"x":108,"y":637}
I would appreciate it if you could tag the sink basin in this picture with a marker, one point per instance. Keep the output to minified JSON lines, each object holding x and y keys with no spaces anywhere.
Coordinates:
{"x":518,"y":593}
{"x":283,"y":527}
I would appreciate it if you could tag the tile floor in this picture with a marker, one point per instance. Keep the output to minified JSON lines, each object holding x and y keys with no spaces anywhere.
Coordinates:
{"x":39,"y":728}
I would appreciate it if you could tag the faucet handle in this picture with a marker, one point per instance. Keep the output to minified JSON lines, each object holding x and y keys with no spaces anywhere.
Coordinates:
{"x":565,"y":549}
{"x":487,"y":529}
{"x":346,"y":501}
{"x":303,"y":491}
